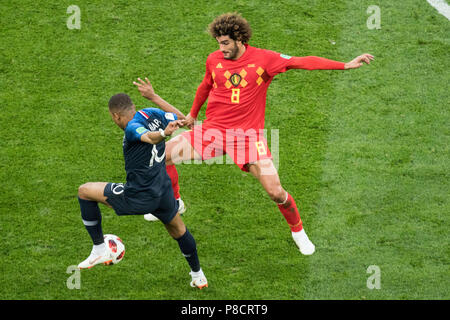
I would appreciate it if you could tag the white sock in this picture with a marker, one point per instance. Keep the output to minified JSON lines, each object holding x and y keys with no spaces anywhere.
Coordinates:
{"x":198,"y":273}
{"x":305,"y":245}
{"x":301,"y":236}
{"x":300,"y":233}
{"x":99,"y":249}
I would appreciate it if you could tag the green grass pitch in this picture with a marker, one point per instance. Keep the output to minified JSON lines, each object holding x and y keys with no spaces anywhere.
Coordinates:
{"x":365,"y":152}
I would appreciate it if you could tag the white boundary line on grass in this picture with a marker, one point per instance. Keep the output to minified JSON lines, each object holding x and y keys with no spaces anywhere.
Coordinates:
{"x":441,"y":6}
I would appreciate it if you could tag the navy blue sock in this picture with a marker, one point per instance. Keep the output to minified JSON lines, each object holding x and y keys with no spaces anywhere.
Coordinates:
{"x":92,"y":219}
{"x":189,"y":250}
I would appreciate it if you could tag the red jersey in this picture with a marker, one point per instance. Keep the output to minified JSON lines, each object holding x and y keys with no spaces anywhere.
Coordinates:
{"x":236,"y":89}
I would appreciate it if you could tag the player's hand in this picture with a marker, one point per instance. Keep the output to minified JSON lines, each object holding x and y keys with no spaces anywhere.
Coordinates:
{"x":172,"y":127}
{"x":359,"y":61}
{"x":189,"y":121}
{"x":145,"y":88}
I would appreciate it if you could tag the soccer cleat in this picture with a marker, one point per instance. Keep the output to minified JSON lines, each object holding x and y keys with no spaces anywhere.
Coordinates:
{"x":303,"y":243}
{"x":198,"y":280}
{"x":181,"y":207}
{"x":94,"y":259}
{"x":181,"y":210}
{"x":150,"y":217}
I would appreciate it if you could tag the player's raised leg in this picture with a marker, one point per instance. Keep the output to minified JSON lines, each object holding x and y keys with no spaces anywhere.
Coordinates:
{"x":89,"y":195}
{"x":179,"y":149}
{"x":266,"y":173}
{"x":188,"y":247}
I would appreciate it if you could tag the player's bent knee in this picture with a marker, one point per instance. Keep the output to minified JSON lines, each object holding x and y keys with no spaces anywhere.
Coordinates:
{"x":276,"y":193}
{"x":179,"y":149}
{"x":91,"y":191}
{"x":176,"y":232}
{"x":176,"y":228}
{"x":168,"y":156}
{"x":83,"y":191}
{"x":171,"y":147}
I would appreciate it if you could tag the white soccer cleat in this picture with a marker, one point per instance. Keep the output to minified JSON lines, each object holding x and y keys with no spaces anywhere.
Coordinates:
{"x":181,"y":207}
{"x":94,"y":259}
{"x":150,"y":217}
{"x":198,"y":280}
{"x":181,"y":210}
{"x":303,"y":243}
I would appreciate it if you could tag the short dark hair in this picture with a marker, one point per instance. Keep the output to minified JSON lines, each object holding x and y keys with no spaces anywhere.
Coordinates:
{"x":232,"y":25}
{"x":120,"y":102}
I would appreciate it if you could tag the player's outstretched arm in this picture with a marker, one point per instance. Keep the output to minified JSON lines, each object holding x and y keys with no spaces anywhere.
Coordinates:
{"x":154,"y":137}
{"x":201,"y":95}
{"x":146,"y":90}
{"x":359,"y":61}
{"x":319,"y":63}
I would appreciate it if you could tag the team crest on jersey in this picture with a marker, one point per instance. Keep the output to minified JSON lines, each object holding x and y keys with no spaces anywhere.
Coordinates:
{"x":235,"y":79}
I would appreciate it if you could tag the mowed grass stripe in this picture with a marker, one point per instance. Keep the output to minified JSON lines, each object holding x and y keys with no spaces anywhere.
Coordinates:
{"x":385,"y":183}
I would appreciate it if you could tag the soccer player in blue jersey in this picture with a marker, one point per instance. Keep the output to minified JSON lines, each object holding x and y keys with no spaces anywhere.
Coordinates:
{"x":148,"y":187}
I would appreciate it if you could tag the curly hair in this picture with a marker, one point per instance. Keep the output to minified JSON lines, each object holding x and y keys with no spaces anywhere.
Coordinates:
{"x":232,"y":25}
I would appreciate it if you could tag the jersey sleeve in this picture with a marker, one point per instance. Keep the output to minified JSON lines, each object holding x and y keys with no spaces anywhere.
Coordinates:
{"x":164,"y":117}
{"x":276,"y":62}
{"x":203,"y":90}
{"x":134,"y":131}
{"x":315,"y":63}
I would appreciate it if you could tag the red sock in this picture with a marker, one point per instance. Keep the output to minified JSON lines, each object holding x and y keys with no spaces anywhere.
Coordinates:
{"x":291,"y":214}
{"x":173,"y":174}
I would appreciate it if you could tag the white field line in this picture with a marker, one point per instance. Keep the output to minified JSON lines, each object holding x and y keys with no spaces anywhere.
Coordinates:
{"x":441,"y":6}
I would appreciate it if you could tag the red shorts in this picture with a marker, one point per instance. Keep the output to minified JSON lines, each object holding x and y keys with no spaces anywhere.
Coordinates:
{"x":243,"y":146}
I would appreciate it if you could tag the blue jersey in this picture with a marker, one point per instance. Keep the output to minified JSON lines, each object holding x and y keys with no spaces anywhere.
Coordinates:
{"x":145,"y":164}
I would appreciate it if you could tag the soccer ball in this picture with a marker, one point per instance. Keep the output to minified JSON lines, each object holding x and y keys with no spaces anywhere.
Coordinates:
{"x":115,"y":247}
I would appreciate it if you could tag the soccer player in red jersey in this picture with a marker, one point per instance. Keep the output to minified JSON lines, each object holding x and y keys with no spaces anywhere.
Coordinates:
{"x":235,"y":83}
